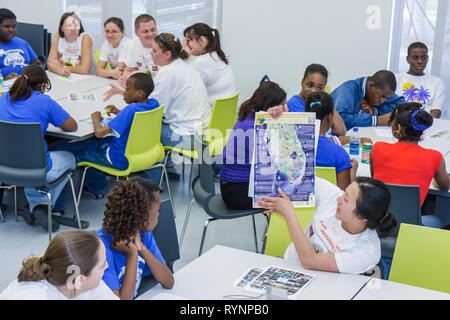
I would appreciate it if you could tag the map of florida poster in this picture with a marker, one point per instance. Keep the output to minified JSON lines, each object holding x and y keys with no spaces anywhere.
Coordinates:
{"x":284,"y":157}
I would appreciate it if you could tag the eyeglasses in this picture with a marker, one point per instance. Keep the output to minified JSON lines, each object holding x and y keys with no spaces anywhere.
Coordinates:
{"x":383,"y":98}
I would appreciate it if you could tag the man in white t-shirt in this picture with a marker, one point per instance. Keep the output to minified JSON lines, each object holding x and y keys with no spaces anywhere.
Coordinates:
{"x":416,"y":86}
{"x":137,"y":57}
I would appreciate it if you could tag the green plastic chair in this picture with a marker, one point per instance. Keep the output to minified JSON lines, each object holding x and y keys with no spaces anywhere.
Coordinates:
{"x":97,"y":57}
{"x":327,"y":173}
{"x":278,"y":236}
{"x":223,"y":119}
{"x":421,"y":258}
{"x":143,"y":151}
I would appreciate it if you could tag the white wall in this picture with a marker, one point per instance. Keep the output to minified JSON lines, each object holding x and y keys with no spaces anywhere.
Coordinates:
{"x":282,"y":37}
{"x":46,"y":12}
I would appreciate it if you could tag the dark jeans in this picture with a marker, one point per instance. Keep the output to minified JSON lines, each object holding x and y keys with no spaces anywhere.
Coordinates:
{"x":92,"y":150}
{"x":235,"y":195}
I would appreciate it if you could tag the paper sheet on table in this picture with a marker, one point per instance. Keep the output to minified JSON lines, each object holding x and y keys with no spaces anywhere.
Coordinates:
{"x":384,"y":132}
{"x":73,"y":77}
{"x":167,"y":296}
{"x":439,"y":145}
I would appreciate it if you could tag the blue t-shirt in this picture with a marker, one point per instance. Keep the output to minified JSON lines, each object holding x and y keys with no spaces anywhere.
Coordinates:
{"x":121,"y":126}
{"x":296,"y":104}
{"x":117,"y":261}
{"x":37,"y":108}
{"x":15,"y":55}
{"x":329,"y":154}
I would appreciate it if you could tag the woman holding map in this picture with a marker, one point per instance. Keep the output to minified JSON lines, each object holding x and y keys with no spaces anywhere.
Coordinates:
{"x":344,"y":234}
{"x":237,"y":154}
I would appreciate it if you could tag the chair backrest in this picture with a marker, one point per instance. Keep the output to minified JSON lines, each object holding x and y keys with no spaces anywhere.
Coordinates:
{"x":327,"y":173}
{"x":278,"y":236}
{"x":405,"y":204}
{"x":223,"y":119}
{"x":165,"y":234}
{"x":35,"y":35}
{"x":97,"y":57}
{"x":143,"y":146}
{"x":23,"y":159}
{"x":422,"y":258}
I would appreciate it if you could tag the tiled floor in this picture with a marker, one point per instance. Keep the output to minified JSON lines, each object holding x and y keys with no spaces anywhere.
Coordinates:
{"x":19,"y":240}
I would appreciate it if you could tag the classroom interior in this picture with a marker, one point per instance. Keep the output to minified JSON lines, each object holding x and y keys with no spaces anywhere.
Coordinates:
{"x":260,"y":37}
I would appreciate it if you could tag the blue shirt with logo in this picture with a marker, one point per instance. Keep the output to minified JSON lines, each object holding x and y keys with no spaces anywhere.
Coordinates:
{"x":15,"y":55}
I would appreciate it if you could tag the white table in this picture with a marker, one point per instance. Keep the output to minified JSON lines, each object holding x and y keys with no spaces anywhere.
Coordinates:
{"x":78,"y":83}
{"x":377,"y":289}
{"x":79,"y":110}
{"x":211,"y":276}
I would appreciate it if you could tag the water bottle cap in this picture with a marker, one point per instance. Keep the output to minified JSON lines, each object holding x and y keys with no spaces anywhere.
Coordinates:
{"x":355,"y":129}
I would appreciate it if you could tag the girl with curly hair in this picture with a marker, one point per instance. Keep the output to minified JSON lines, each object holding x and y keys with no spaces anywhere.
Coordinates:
{"x":132,"y":211}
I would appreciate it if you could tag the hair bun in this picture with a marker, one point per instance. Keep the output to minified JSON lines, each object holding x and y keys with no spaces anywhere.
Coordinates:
{"x":386,"y":225}
{"x":420,"y":120}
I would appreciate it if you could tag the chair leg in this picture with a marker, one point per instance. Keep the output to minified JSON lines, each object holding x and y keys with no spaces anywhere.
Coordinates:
{"x":188,"y":213}
{"x":15,"y":204}
{"x":190,"y":175}
{"x":77,"y":213}
{"x":49,"y":214}
{"x":1,"y":216}
{"x":254,"y":230}
{"x":205,"y":228}
{"x":264,"y":239}
{"x":170,"y":193}
{"x":81,"y":185}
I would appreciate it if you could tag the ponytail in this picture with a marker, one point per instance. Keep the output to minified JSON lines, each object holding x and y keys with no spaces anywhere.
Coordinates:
{"x":34,"y":269}
{"x":413,"y":118}
{"x":373,"y":203}
{"x":386,"y":225}
{"x":68,"y":248}
{"x":212,"y":36}
{"x":33,"y":76}
{"x":168,"y":42}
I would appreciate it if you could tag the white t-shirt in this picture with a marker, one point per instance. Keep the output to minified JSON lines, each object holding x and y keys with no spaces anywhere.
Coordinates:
{"x":427,"y":89}
{"x":136,"y":56}
{"x":110,"y":54}
{"x":179,"y":87}
{"x":70,"y":52}
{"x":216,"y":75}
{"x":354,"y":253}
{"x":43,"y":290}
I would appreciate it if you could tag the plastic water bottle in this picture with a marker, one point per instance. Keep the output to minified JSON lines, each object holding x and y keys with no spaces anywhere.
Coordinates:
{"x":354,"y":144}
{"x":1,"y":78}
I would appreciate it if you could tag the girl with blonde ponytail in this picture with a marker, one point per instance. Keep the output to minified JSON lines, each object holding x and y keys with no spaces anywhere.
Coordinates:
{"x":71,"y":267}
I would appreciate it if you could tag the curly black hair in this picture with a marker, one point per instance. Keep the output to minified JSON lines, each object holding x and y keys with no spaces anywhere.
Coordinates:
{"x":127,"y":208}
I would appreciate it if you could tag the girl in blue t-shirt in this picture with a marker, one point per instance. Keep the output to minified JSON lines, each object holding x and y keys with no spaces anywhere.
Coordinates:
{"x":237,"y":154}
{"x":314,"y":80}
{"x":25,"y":102}
{"x":132,"y":211}
{"x":330,"y":154}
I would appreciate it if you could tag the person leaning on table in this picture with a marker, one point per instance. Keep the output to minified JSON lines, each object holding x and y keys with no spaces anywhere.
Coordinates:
{"x":344,"y":234}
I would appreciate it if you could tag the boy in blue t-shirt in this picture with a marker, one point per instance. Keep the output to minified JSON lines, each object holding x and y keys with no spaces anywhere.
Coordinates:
{"x":110,"y":151}
{"x":15,"y":53}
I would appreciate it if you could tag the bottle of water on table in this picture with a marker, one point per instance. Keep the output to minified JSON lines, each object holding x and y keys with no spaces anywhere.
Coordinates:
{"x":354,"y":144}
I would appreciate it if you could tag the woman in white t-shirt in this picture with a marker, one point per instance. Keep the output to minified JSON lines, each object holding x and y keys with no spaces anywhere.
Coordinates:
{"x":208,"y":58}
{"x":71,"y":268}
{"x":113,"y":47}
{"x":71,"y":49}
{"x":344,"y":234}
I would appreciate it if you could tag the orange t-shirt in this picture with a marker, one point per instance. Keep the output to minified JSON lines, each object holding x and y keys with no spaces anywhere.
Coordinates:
{"x":405,"y":163}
